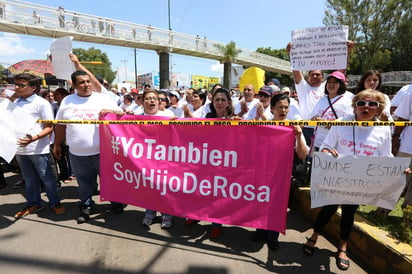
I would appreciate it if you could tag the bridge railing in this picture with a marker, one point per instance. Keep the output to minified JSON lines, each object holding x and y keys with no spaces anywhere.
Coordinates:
{"x":40,"y":16}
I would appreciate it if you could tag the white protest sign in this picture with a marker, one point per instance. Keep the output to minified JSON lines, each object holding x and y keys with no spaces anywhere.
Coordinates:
{"x":8,"y":138}
{"x":62,"y":65}
{"x":359,"y":180}
{"x":320,"y":48}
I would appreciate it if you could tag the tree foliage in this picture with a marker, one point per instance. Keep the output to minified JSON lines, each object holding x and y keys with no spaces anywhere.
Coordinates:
{"x":376,"y":26}
{"x":282,"y":54}
{"x":230,"y":52}
{"x":92,"y":54}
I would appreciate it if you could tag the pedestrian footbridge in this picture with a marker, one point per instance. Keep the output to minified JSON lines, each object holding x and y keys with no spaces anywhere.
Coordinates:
{"x":33,"y":19}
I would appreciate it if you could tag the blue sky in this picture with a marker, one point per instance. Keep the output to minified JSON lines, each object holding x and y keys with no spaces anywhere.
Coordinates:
{"x":251,"y":24}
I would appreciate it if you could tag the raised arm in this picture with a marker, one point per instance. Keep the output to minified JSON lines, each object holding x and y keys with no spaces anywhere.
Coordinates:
{"x":95,"y":83}
{"x":297,"y":74}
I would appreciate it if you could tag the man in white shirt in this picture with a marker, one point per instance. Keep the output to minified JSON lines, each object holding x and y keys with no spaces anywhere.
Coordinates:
{"x":83,"y":139}
{"x":244,"y":106}
{"x":402,"y":141}
{"x":33,"y":153}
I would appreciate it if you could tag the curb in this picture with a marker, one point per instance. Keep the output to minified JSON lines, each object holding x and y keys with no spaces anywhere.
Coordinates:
{"x":367,"y":243}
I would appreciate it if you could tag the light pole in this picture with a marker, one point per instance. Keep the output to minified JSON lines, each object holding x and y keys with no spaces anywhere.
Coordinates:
{"x":125,"y":68}
{"x":168,"y":12}
{"x":135,"y":68}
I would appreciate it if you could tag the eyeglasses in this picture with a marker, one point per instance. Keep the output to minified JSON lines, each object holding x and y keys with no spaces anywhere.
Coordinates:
{"x":162,"y":100}
{"x":263,"y":95}
{"x":371,"y":104}
{"x":20,"y":85}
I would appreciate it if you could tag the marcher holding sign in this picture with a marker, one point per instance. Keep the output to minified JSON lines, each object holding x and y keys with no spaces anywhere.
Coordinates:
{"x":367,"y":141}
{"x":279,"y":105}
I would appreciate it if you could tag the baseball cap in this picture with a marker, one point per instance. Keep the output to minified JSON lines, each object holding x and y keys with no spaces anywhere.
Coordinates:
{"x":275,"y":81}
{"x":268,"y":90}
{"x":134,"y":90}
{"x":175,"y":93}
{"x":338,"y":75}
{"x":285,"y":89}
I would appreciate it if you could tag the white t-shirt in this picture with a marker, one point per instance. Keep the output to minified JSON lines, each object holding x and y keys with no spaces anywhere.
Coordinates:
{"x":341,"y":104}
{"x":252,"y":113}
{"x":199,"y":112}
{"x":83,"y":139}
{"x":158,"y":113}
{"x":40,"y":109}
{"x":308,"y":97}
{"x":294,"y":111}
{"x":404,"y":111}
{"x":178,"y":111}
{"x":397,"y":99}
{"x":250,"y":105}
{"x":367,"y":141}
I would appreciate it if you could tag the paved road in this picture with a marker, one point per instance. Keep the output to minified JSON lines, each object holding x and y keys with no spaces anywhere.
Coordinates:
{"x":110,"y":243}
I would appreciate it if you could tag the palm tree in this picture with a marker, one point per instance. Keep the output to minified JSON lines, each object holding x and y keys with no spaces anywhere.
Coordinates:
{"x":230,"y":53}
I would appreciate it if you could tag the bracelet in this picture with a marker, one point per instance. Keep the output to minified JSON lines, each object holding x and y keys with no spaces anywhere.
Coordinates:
{"x":38,"y":136}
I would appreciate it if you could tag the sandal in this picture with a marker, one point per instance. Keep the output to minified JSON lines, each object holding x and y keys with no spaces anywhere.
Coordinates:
{"x":307,"y":249}
{"x":341,"y":263}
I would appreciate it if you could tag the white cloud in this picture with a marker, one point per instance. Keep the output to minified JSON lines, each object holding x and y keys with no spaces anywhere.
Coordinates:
{"x":217,"y":68}
{"x":12,"y":46}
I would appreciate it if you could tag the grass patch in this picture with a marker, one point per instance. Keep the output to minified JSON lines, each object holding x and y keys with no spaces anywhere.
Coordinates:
{"x":392,"y":223}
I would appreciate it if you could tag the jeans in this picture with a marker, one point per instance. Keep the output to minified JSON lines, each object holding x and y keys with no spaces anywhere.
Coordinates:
{"x":86,"y":169}
{"x":37,"y":168}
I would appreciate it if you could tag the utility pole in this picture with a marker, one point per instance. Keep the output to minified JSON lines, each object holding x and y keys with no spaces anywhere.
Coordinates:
{"x":125,"y":68}
{"x":168,"y":9}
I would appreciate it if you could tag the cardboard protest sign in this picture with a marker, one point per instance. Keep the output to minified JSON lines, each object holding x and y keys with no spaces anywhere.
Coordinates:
{"x":359,"y":180}
{"x":320,"y":48}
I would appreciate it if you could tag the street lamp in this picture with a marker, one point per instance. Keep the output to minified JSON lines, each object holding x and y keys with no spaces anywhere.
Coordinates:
{"x":168,"y":12}
{"x":125,"y":68}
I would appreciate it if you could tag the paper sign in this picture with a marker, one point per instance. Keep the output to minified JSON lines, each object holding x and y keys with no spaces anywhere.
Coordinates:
{"x":321,"y":48}
{"x":359,"y":180}
{"x":62,"y":65}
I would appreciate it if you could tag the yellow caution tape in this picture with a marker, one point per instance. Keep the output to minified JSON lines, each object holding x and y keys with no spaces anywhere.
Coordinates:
{"x":232,"y":122}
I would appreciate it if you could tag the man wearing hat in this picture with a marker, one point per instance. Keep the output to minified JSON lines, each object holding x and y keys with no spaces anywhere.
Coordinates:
{"x":261,"y":111}
{"x":273,"y":81}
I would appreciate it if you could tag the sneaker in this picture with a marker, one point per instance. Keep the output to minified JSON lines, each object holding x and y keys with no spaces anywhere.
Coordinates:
{"x":84,"y":214}
{"x":59,"y":209}
{"x":26,"y":211}
{"x":19,"y":184}
{"x":147,"y":220}
{"x":216,"y":231}
{"x":166,"y":223}
{"x":190,"y":222}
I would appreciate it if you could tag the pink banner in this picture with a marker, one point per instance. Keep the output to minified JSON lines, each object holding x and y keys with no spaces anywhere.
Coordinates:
{"x":238,"y":175}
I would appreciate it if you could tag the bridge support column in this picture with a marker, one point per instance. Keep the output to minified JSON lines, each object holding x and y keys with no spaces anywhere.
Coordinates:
{"x":164,"y":70}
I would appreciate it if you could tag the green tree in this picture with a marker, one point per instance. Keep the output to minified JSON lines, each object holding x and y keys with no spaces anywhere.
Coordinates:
{"x":372,"y":23}
{"x":282,"y":54}
{"x":3,"y":76}
{"x":92,"y":54}
{"x":230,"y":52}
{"x":401,"y":42}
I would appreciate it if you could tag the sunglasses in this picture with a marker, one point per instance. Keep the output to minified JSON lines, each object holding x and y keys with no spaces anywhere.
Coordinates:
{"x":371,"y":104}
{"x":20,"y":85}
{"x":162,"y":100}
